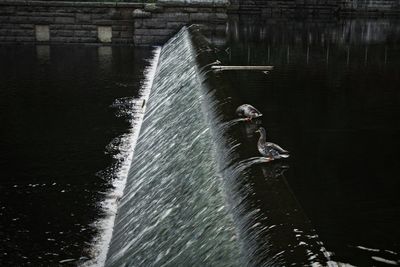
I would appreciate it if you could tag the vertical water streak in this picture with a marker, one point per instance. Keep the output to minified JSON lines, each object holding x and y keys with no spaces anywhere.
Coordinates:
{"x":126,"y":148}
{"x":173,"y":212}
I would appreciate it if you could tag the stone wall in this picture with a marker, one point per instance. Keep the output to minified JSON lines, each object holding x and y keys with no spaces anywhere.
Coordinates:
{"x":25,"y":21}
{"x":102,"y":23}
{"x":316,"y":8}
{"x":369,"y":7}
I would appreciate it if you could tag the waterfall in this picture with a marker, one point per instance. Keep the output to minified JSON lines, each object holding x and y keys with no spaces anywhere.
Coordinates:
{"x":190,"y":197}
{"x":173,"y":212}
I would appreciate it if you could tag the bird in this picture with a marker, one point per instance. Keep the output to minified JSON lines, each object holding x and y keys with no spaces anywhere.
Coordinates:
{"x":268,"y":149}
{"x":248,"y":111}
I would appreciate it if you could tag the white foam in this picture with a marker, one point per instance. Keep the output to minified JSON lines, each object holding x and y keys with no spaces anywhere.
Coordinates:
{"x":368,"y":249}
{"x":128,"y":143}
{"x":380,"y":259}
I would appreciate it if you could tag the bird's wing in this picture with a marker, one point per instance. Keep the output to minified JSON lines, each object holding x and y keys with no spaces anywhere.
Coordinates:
{"x":253,"y":109}
{"x":276,"y":147}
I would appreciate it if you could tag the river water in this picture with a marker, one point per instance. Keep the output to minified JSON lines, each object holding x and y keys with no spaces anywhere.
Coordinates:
{"x":64,"y":114}
{"x":333,"y":101}
{"x":197,"y":192}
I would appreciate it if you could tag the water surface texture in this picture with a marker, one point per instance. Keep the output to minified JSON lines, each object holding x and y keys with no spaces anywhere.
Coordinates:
{"x":60,"y":108}
{"x":333,"y":101}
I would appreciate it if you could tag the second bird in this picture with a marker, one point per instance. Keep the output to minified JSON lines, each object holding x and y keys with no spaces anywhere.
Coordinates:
{"x":268,"y":149}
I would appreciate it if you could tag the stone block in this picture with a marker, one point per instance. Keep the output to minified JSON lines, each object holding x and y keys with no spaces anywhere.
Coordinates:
{"x":115,"y":34}
{"x":149,"y":40}
{"x":194,"y":17}
{"x":154,"y":32}
{"x":58,"y":14}
{"x":41,"y":20}
{"x":104,"y":22}
{"x":19,"y":19}
{"x":174,"y":17}
{"x":83,"y":33}
{"x":87,"y":40}
{"x":122,"y":27}
{"x":104,"y":34}
{"x":114,"y":14}
{"x":9,"y":38}
{"x":26,"y":26}
{"x":69,"y":27}
{"x":190,"y":10}
{"x":60,"y":10}
{"x":89,"y":27}
{"x":205,"y":10}
{"x":100,"y":16}
{"x":25,"y":39}
{"x":63,"y":33}
{"x":139,"y":13}
{"x":3,"y":32}
{"x":120,"y":22}
{"x":220,"y":10}
{"x":175,"y":25}
{"x":175,"y":9}
{"x":65,"y":20}
{"x":153,"y":8}
{"x":83,"y":18}
{"x":58,"y":39}
{"x":42,"y":33}
{"x":7,"y":10}
{"x":125,"y":34}
{"x":4,"y":19}
{"x":221,"y":16}
{"x":20,"y":32}
{"x":153,"y":24}
{"x":138,"y":23}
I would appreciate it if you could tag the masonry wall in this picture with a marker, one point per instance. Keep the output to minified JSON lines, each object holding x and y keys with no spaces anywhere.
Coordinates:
{"x":370,"y":7}
{"x":102,"y":23}
{"x":316,"y":8}
{"x":26,"y":21}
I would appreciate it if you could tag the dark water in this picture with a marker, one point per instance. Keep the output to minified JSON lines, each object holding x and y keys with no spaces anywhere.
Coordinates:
{"x":57,"y":118}
{"x":333,"y":101}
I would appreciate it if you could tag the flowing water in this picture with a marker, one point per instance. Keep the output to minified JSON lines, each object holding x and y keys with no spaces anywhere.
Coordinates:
{"x":173,"y":211}
{"x":189,"y":198}
{"x":196,"y":191}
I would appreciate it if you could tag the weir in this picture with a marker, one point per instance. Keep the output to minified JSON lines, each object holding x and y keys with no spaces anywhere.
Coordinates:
{"x":173,"y":212}
{"x":193,"y":190}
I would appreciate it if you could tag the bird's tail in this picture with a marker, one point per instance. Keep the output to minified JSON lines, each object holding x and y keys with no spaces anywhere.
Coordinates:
{"x":284,"y":156}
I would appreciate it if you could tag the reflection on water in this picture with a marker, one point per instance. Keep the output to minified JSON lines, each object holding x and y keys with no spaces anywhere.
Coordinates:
{"x":198,"y":192}
{"x":333,"y":101}
{"x":56,"y":121}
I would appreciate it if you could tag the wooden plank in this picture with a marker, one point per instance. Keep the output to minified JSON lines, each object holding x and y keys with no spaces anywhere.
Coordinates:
{"x":223,"y":68}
